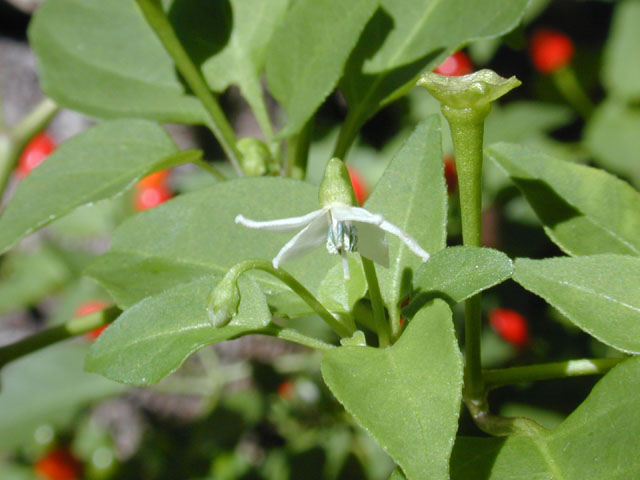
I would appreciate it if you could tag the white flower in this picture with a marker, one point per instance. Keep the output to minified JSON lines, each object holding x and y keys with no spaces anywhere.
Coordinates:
{"x":342,"y":228}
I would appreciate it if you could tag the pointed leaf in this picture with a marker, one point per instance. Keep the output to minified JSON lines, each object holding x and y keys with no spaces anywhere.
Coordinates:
{"x":196,"y":234}
{"x":599,"y":293}
{"x":598,"y":440}
{"x":456,"y":273}
{"x":406,"y":38}
{"x":107,"y":72}
{"x":308,"y":52}
{"x":412,"y":195}
{"x":154,"y":337}
{"x":406,"y":396}
{"x":584,"y":210}
{"x":96,"y":164}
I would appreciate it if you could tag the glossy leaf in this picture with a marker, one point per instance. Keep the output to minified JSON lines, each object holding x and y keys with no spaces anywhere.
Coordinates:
{"x":406,"y":396}
{"x":455,"y":274}
{"x":108,"y":72}
{"x":99,"y":163}
{"x":599,"y":293}
{"x":242,"y":58}
{"x":308,"y":51}
{"x":405,"y":38}
{"x":154,"y":337}
{"x":47,"y":388}
{"x":598,"y":440}
{"x":584,"y":210}
{"x":612,"y":136}
{"x":412,"y":195}
{"x":195,"y":235}
{"x":621,"y":66}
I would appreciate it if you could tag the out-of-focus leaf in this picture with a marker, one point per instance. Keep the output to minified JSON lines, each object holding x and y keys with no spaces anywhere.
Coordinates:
{"x":99,"y":163}
{"x":87,"y":64}
{"x":47,"y":388}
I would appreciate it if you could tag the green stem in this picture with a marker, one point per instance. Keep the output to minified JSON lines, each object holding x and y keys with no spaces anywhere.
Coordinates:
{"x":258,"y":264}
{"x":74,"y":327}
{"x":299,"y":151}
{"x":217,"y":121}
{"x":346,"y":137}
{"x":467,"y":131}
{"x":382,"y":326}
{"x":211,"y":169}
{"x":14,"y":141}
{"x":566,"y":82}
{"x":296,"y":337}
{"x":548,"y":371}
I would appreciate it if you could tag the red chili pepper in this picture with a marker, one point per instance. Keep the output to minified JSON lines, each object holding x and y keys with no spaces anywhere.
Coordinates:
{"x":287,"y":390}
{"x":58,"y":464}
{"x":455,"y":65}
{"x":87,"y":308}
{"x":450,"y":173}
{"x":510,"y":325}
{"x":359,"y":186}
{"x":34,"y":153}
{"x":550,"y":50}
{"x":149,"y":197}
{"x":155,"y":179}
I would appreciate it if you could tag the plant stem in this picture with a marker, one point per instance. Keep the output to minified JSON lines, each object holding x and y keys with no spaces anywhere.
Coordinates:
{"x":299,"y":152}
{"x":72,"y":328}
{"x":548,"y":371}
{"x":467,"y":130}
{"x":347,"y":135}
{"x":382,"y":326}
{"x":211,"y":169}
{"x":566,"y":82}
{"x":259,"y":264}
{"x":296,"y":337}
{"x":14,"y":140}
{"x":217,"y":121}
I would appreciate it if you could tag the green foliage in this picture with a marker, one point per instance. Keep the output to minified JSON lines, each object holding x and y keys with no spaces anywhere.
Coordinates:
{"x":152,"y":339}
{"x":410,"y":410}
{"x":584,"y":287}
{"x":575,"y":202}
{"x":97,"y":164}
{"x":598,"y":440}
{"x":79,"y":69}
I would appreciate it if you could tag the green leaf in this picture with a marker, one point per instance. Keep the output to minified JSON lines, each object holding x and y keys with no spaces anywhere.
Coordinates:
{"x":612,"y":137}
{"x":599,"y":293}
{"x":107,"y":72}
{"x":455,"y":274}
{"x":597,"y":441}
{"x":242,"y":58}
{"x":154,"y":337}
{"x":406,"y":396}
{"x":406,"y":38}
{"x":397,"y":475}
{"x":308,"y":51}
{"x":47,"y":388}
{"x":621,"y":63}
{"x":584,"y":210}
{"x":412,"y":195}
{"x":96,"y":164}
{"x":27,"y":278}
{"x":196,"y":234}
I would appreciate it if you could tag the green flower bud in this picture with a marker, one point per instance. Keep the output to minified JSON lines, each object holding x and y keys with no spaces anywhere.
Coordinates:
{"x":355,"y":340}
{"x":336,"y":185}
{"x":256,"y":158}
{"x":224,"y":300}
{"x":475,"y":91}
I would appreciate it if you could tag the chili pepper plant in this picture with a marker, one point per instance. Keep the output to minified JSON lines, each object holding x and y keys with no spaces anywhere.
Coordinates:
{"x":395,"y":373}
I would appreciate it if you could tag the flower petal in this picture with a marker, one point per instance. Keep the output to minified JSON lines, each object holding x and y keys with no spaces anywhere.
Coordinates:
{"x":282,"y":225}
{"x":407,"y":239}
{"x":310,"y":237}
{"x":372,"y":243}
{"x":355,"y":214}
